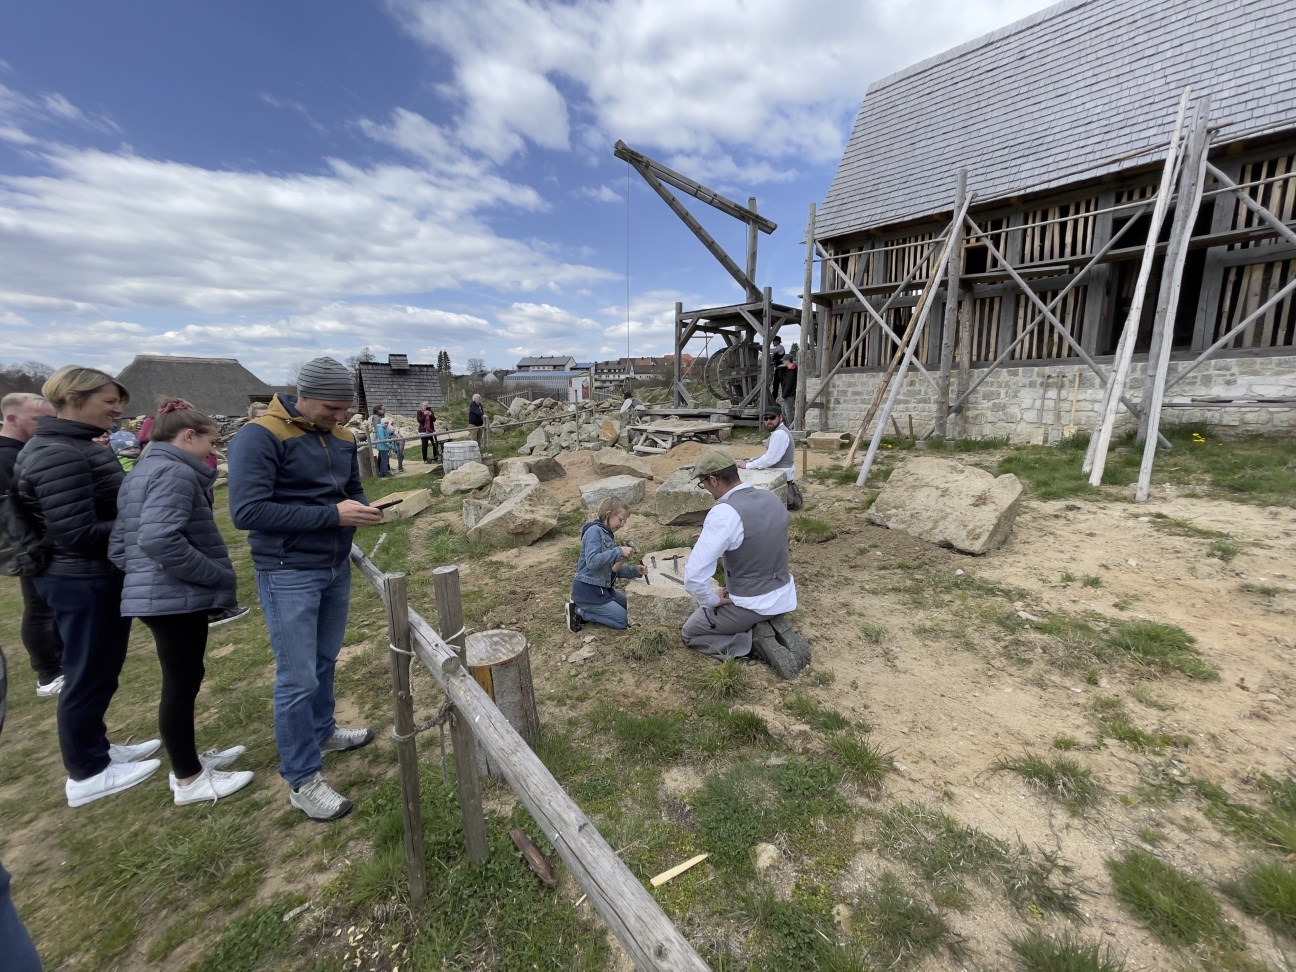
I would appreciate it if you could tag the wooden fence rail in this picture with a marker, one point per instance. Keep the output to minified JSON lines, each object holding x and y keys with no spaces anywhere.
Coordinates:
{"x":630,"y":912}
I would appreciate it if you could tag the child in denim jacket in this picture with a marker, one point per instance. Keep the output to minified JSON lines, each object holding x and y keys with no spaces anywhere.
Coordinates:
{"x":593,"y":598}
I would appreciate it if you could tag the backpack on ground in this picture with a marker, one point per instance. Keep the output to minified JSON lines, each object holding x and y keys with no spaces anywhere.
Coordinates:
{"x":25,"y":550}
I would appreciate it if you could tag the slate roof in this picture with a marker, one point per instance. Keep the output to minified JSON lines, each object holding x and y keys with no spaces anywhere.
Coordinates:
{"x":401,"y":391}
{"x":215,"y":386}
{"x":560,"y":361}
{"x":1071,"y":86}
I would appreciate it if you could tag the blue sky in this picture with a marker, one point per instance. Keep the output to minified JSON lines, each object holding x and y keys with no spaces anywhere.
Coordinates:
{"x":277,"y":179}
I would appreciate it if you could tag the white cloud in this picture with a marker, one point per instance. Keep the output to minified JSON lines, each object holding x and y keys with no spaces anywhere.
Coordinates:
{"x":120,"y":230}
{"x":602,"y":194}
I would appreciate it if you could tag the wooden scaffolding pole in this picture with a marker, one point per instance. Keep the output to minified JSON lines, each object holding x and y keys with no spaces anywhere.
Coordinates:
{"x":1096,"y":455}
{"x":1190,"y":194}
{"x":807,"y":326}
{"x":904,"y":355}
{"x":949,"y":321}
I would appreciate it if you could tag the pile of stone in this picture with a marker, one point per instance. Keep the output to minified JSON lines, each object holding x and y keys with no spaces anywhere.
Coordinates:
{"x":517,"y":511}
{"x":567,"y":428}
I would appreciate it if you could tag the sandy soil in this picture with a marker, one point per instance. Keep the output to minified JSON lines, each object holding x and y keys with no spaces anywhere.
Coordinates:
{"x":948,"y":694}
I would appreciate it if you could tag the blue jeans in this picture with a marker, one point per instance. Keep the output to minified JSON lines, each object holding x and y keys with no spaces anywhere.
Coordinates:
{"x":610,"y":614}
{"x":384,"y":462}
{"x":88,"y":613}
{"x":306,"y":615}
{"x":15,"y":944}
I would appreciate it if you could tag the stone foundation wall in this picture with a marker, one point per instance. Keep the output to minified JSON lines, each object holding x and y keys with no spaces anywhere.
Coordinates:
{"x":1028,"y":404}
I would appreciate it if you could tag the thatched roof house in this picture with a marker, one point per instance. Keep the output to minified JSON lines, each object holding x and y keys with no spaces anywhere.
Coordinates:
{"x":216,"y":386}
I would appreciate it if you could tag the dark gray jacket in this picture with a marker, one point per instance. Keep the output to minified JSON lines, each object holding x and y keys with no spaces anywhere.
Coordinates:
{"x":166,"y":539}
{"x":68,"y":485}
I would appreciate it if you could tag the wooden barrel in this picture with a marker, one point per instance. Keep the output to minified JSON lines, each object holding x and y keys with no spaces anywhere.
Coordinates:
{"x":455,"y":454}
{"x":500,"y":662}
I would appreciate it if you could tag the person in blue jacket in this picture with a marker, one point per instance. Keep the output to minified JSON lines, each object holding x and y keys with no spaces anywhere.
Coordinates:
{"x":177,"y":572}
{"x":383,"y":443}
{"x":294,"y":485}
{"x":593,"y":596}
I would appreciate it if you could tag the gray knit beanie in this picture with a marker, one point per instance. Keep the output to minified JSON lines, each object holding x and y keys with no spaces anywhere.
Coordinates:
{"x":325,"y":380}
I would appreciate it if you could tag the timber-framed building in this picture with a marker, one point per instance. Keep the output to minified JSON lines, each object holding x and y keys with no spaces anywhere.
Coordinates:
{"x":1061,"y":123}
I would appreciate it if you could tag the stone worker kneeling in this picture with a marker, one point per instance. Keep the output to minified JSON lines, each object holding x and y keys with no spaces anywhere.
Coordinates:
{"x":748,"y":528}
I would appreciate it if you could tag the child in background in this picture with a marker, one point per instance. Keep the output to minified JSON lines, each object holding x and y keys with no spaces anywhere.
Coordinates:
{"x":593,"y":596}
{"x":126,"y":446}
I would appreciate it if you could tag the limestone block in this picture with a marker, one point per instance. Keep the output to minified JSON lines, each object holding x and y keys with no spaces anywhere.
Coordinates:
{"x":542,"y":467}
{"x":502,"y":487}
{"x":629,"y":489}
{"x":520,"y":520}
{"x":661,"y":601}
{"x":614,"y":462}
{"x":411,"y":503}
{"x":518,"y":407}
{"x":609,"y":432}
{"x":469,"y":476}
{"x":537,"y":438}
{"x":679,"y":501}
{"x":948,"y":504}
{"x":828,"y":440}
{"x":476,"y":510}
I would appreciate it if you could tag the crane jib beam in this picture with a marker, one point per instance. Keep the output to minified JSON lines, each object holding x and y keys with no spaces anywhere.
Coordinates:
{"x":693,"y":188}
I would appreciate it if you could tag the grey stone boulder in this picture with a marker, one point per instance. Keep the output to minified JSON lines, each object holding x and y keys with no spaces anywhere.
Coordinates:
{"x":502,"y":487}
{"x":520,"y":520}
{"x":476,"y":510}
{"x":542,"y":468}
{"x":629,"y":489}
{"x":614,"y":462}
{"x":949,"y":504}
{"x":469,"y":476}
{"x":679,"y":501}
{"x":609,"y":431}
{"x":537,"y":439}
{"x":518,"y":407}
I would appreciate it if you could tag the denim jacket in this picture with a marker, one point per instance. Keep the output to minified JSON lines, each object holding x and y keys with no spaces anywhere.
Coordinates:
{"x":599,"y":551}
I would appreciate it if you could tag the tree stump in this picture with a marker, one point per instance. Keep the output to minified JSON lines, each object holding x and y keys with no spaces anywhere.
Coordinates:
{"x":662,"y":600}
{"x":500,"y":662}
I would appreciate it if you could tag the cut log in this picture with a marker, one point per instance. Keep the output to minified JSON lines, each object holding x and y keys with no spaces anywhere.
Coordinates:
{"x":501,"y":664}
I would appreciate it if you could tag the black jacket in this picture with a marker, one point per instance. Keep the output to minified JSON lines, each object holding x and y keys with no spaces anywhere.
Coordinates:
{"x":9,"y":449}
{"x":68,"y":483}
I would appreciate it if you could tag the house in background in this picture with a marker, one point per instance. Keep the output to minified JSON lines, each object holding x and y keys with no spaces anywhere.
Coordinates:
{"x":559,"y":363}
{"x":398,"y":385}
{"x":1061,"y":121}
{"x":214,"y":386}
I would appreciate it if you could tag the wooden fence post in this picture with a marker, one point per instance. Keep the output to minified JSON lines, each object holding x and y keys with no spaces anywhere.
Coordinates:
{"x":402,"y":654}
{"x":364,"y":452}
{"x":445,"y":582}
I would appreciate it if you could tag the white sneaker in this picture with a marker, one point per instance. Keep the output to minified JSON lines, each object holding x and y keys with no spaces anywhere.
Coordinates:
{"x":132,"y":754}
{"x":210,"y":786}
{"x":50,"y":689}
{"x":318,"y":800}
{"x":215,"y":759}
{"x":114,"y":779}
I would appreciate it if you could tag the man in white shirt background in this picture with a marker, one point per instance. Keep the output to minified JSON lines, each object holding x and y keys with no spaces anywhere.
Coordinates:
{"x":780,"y":454}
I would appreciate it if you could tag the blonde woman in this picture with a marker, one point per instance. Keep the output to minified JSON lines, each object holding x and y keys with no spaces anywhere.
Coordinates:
{"x":593,"y":596}
{"x":67,"y":483}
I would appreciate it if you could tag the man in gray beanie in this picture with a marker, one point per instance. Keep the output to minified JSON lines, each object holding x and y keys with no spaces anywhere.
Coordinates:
{"x":295,"y":486}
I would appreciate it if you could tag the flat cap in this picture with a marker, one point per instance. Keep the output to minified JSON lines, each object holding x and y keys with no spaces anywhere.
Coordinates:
{"x":712,"y":461}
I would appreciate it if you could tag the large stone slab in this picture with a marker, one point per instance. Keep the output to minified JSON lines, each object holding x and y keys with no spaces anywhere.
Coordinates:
{"x":660,"y":600}
{"x":476,"y":510}
{"x":614,"y":462}
{"x":629,"y":489}
{"x":537,"y":438}
{"x":543,"y":468}
{"x":609,"y":432}
{"x":679,"y":500}
{"x":502,"y":487}
{"x":949,"y":504}
{"x":520,"y":520}
{"x":469,"y":476}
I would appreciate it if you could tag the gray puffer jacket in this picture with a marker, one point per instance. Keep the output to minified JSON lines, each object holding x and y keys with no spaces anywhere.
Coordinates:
{"x":166,"y":539}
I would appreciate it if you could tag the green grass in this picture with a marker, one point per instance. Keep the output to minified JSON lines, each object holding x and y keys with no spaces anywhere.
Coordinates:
{"x":1267,"y":890}
{"x":1065,"y":743}
{"x":1162,"y":647}
{"x":1224,"y":550}
{"x":1115,"y":722}
{"x":1061,"y":777}
{"x":1143,"y":696}
{"x":810,"y":529}
{"x":898,"y":928}
{"x":863,"y":763}
{"x":653,"y":643}
{"x":1272,"y":825}
{"x":1268,"y":591}
{"x":728,"y":680}
{"x":1175,"y":907}
{"x":1064,"y":953}
{"x":1180,"y":527}
{"x":870,"y":632}
{"x":808,"y":710}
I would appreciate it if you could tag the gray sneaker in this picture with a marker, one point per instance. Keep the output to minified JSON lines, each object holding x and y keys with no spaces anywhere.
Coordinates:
{"x":319,"y":801}
{"x":344,"y":739}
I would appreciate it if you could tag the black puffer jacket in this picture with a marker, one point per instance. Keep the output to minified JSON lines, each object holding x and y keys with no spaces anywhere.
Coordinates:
{"x":69,"y":484}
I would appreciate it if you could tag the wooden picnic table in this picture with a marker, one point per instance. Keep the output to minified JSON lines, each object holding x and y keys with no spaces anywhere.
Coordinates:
{"x":662,"y":436}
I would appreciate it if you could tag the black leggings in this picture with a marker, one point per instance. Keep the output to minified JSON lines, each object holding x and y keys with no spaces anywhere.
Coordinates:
{"x":181,"y":643}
